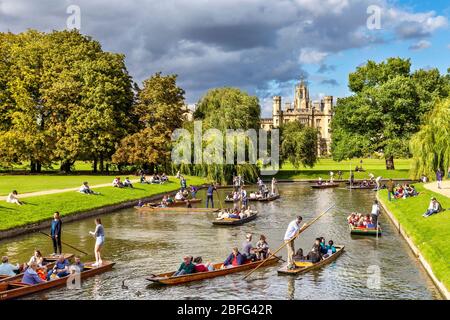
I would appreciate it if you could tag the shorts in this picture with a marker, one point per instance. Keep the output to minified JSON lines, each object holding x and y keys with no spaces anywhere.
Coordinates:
{"x":99,"y":240}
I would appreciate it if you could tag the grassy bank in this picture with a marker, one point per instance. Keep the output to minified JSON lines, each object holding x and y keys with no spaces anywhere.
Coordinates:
{"x":33,"y":183}
{"x":40,"y":208}
{"x":324,"y":166}
{"x":431,"y":234}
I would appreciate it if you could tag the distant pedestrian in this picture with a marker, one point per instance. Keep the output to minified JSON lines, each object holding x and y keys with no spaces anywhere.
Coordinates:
{"x":439,"y":175}
{"x":390,"y":189}
{"x":55,"y":233}
{"x":209,"y":195}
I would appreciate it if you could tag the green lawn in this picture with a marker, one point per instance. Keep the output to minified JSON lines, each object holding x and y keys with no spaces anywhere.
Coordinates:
{"x":41,"y":208}
{"x":78,"y":166}
{"x":32,"y":183}
{"x":324,"y":166}
{"x":431,"y":235}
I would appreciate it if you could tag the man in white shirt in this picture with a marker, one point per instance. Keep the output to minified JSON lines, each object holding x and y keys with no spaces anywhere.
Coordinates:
{"x":291,"y":232}
{"x":378,"y":181}
{"x":375,"y":212}
{"x":12,"y":198}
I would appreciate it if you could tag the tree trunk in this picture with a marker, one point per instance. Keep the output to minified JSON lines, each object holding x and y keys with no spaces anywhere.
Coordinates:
{"x":102,"y":165}
{"x":94,"y":166}
{"x":66,"y":166}
{"x":38,"y":167}
{"x":390,"y":163}
{"x":152,"y":168}
{"x":32,"y":166}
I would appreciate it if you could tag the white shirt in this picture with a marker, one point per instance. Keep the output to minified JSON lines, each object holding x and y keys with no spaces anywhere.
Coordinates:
{"x":11,"y":198}
{"x":378,"y":179}
{"x":7,"y":269}
{"x":375,"y":209}
{"x":292,"y":229}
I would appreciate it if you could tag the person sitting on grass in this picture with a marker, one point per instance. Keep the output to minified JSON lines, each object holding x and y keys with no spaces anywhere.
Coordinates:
{"x":61,"y":268}
{"x":433,"y":208}
{"x":127,"y":183}
{"x":164,"y":178}
{"x":86,"y":189}
{"x":234,"y":259}
{"x":186,"y":267}
{"x":30,"y":275}
{"x":12,"y":198}
{"x":117,"y":183}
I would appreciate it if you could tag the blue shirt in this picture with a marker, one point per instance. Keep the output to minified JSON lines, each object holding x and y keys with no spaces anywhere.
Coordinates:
{"x":210,"y":190}
{"x":31,"y":277}
{"x":61,"y":265}
{"x":56,"y":227}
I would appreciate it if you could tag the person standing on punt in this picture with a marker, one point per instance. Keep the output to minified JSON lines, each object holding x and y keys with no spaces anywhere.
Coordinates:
{"x":99,"y":235}
{"x":375,"y":213}
{"x":289,"y":238}
{"x":55,"y":233}
{"x":209,"y":195}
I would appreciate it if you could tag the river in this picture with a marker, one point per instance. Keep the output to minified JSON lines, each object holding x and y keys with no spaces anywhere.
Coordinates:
{"x":145,"y":243}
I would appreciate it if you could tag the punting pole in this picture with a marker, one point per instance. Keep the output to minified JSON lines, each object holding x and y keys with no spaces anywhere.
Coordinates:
{"x":303,"y":228}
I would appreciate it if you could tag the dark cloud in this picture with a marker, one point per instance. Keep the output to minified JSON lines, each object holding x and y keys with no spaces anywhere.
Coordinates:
{"x":325,"y":68}
{"x":330,"y":82}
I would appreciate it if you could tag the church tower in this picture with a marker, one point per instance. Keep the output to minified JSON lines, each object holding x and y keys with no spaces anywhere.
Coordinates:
{"x":276,"y":111}
{"x":301,"y":97}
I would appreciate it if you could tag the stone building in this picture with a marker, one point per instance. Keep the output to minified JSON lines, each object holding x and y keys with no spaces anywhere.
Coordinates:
{"x":315,"y":114}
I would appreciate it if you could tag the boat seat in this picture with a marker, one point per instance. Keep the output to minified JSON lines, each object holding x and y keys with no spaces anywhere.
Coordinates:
{"x":303,"y":263}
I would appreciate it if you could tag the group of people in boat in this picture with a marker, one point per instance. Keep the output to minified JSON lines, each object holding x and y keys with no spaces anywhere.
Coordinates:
{"x":235,"y":213}
{"x":369,"y":221}
{"x":319,"y":251}
{"x":249,"y":253}
{"x":117,"y":183}
{"x":36,"y":270}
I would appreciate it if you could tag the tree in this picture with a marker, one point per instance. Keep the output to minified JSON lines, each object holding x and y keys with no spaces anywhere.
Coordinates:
{"x":386,"y":109}
{"x":222,"y":109}
{"x":298,"y":144}
{"x":158,"y":109}
{"x":431,"y":145}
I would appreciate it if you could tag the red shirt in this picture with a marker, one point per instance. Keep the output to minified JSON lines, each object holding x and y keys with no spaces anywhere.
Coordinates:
{"x":234,"y":262}
{"x":200,"y":268}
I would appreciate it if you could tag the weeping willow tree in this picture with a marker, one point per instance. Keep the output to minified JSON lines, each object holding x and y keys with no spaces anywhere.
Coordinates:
{"x":219,"y":110}
{"x":431,"y":145}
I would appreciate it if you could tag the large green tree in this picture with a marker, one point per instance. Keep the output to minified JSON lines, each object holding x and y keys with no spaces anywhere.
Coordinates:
{"x":159,"y":110}
{"x":63,"y":98}
{"x":387,"y":107}
{"x":298,"y":144}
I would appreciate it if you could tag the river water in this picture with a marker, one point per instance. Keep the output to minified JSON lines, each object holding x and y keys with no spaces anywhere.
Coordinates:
{"x":144,"y":243}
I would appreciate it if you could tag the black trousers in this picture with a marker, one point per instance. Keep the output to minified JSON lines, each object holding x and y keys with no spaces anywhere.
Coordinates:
{"x":57,"y":247}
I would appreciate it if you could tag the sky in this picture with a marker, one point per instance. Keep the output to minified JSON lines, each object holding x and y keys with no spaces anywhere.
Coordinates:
{"x":261,"y":46}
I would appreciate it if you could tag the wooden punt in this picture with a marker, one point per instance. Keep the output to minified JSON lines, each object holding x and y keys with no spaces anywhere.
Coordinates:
{"x":181,"y":202}
{"x":271,"y":198}
{"x":361,"y":187}
{"x":176,"y":209}
{"x":302,"y":267}
{"x":325,"y":185}
{"x":364,"y":231}
{"x":233,"y":221}
{"x":168,"y":279}
{"x":15,"y":289}
{"x":49,"y":263}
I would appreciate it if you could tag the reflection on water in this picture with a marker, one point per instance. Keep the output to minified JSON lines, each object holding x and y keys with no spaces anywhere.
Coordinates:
{"x":144,"y":243}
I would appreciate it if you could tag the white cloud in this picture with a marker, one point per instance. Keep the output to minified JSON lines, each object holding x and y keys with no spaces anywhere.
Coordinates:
{"x":311,"y":56}
{"x":420,"y":45}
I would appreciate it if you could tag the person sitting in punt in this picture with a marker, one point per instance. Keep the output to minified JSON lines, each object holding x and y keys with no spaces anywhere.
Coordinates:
{"x":247,"y":248}
{"x":185,"y":194}
{"x":140,"y":204}
{"x":323,"y":246}
{"x":320,"y":181}
{"x":12,"y":198}
{"x":61,"y":268}
{"x":234,"y":259}
{"x":86,"y":189}
{"x":200,"y":267}
{"x":77,"y":266}
{"x":330,"y":248}
{"x":7,"y":269}
{"x":244,"y":213}
{"x":315,"y":254}
{"x":117,"y":183}
{"x":262,"y":248}
{"x":179,"y":196}
{"x":31,"y":276}
{"x":186,"y":267}
{"x":36,"y":258}
{"x":127,"y":183}
{"x":299,"y":255}
{"x":367,"y":221}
